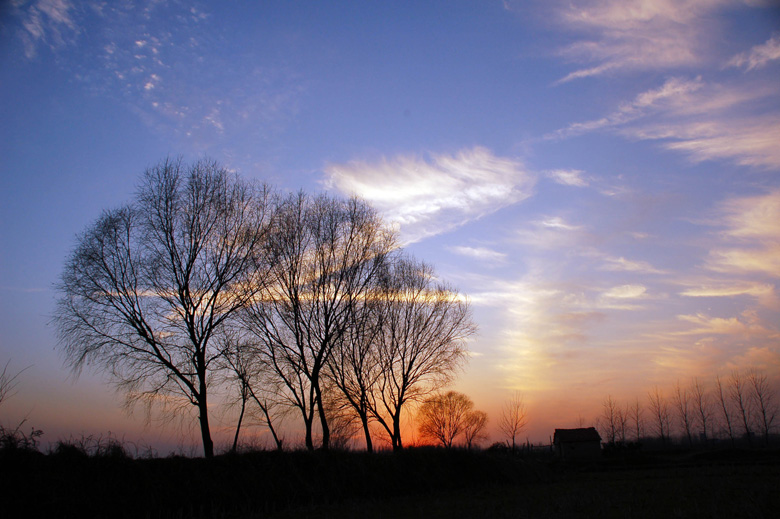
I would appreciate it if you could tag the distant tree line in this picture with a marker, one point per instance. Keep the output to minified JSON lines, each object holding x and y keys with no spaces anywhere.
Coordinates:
{"x":206,"y":285}
{"x":742,"y":406}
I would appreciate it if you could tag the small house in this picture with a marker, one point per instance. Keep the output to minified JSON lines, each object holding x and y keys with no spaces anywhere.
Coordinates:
{"x":577,"y":444}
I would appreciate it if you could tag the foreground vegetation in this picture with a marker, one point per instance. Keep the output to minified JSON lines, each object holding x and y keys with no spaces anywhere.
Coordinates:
{"x":107,"y":482}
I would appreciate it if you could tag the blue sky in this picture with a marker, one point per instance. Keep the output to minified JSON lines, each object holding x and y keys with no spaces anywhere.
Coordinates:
{"x":601,"y":178}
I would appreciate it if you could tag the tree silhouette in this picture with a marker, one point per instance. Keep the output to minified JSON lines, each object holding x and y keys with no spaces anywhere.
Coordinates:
{"x":151,"y":285}
{"x":513,"y":418}
{"x":324,"y":254}
{"x":420,"y":344}
{"x":444,"y":417}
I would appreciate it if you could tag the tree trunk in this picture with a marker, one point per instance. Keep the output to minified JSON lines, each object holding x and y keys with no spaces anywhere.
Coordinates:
{"x":397,"y":444}
{"x":367,"y":432}
{"x":307,"y":420}
{"x":208,"y":444}
{"x":323,"y":419}
{"x":238,"y":425}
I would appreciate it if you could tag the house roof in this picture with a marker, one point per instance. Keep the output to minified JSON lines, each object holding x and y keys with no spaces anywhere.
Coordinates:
{"x":588,"y":434}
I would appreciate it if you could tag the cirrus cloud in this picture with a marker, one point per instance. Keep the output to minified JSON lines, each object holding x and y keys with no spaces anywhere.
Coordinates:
{"x":429,"y":197}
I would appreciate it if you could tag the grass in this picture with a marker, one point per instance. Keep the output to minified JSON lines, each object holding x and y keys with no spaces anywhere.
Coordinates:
{"x":88,"y":479}
{"x":692,"y":492}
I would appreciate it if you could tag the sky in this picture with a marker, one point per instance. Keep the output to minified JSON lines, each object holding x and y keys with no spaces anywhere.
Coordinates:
{"x":600,"y":178}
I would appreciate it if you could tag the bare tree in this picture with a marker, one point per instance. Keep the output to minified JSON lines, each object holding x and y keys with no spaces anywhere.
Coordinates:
{"x":763,"y":401}
{"x":8,"y":382}
{"x":634,"y":414}
{"x":355,"y":366}
{"x":424,"y":326}
{"x":682,"y":405}
{"x":256,"y":383}
{"x":14,"y":437}
{"x":514,"y":418}
{"x":474,"y":430}
{"x":724,"y":408}
{"x":325,"y":253}
{"x":703,"y":408}
{"x":738,"y":393}
{"x":443,"y":417}
{"x":609,"y":419}
{"x":150,"y":285}
{"x":659,"y":408}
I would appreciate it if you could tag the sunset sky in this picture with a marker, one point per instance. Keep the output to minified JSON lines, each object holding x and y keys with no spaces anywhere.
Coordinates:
{"x":601,"y":178}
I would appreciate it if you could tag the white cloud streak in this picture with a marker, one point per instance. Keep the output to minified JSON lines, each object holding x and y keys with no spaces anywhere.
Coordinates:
{"x":675,"y":91}
{"x":638,"y":34}
{"x":707,"y":122}
{"x":567,"y":177}
{"x":751,"y":238}
{"x":480,"y":253}
{"x":759,"y":56}
{"x":429,"y":197}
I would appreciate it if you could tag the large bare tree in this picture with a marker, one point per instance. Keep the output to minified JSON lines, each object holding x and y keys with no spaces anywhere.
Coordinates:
{"x":421,"y":342}
{"x":150,"y":285}
{"x":325,"y":253}
{"x":355,"y":366}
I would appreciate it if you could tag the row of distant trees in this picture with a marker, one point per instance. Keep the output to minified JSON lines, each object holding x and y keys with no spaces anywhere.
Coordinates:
{"x":740,"y":406}
{"x":206,"y":285}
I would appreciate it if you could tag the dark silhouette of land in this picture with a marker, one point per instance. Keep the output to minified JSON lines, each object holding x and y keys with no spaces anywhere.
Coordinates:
{"x":417,"y":482}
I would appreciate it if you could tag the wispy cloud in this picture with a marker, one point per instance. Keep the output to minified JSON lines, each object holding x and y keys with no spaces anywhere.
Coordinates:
{"x":759,"y":56}
{"x":610,"y":263}
{"x":429,"y":197}
{"x":551,"y":233}
{"x":480,"y":253}
{"x":747,"y":141}
{"x":165,"y":72}
{"x":705,"y":121}
{"x":725,"y":289}
{"x":625,"y":292}
{"x":46,"y":22}
{"x":746,"y":324}
{"x":637,"y":34}
{"x":567,"y":177}
{"x":751,"y":236}
{"x":674,"y":92}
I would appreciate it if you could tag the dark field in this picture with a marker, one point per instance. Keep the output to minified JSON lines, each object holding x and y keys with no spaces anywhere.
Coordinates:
{"x":427,"y":483}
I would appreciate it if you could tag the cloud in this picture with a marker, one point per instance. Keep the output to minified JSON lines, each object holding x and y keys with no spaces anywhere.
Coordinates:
{"x":748,"y":141}
{"x":746,"y":324}
{"x":751,"y":238}
{"x":620,"y":297}
{"x":551,"y":232}
{"x":46,"y":22}
{"x":674,"y":92}
{"x":429,"y":197}
{"x":567,"y":177}
{"x":625,"y":292}
{"x":753,"y":217}
{"x":620,"y":264}
{"x":480,"y":253}
{"x":637,"y":34}
{"x":758,"y":56}
{"x":165,"y":72}
{"x":730,"y":289}
{"x":705,"y":121}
